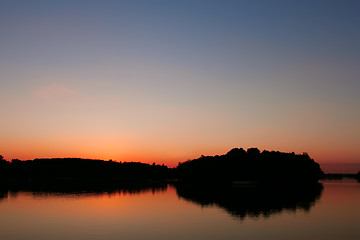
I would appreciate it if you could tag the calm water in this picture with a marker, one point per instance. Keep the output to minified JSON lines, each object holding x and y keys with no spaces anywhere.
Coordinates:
{"x":331,"y":212}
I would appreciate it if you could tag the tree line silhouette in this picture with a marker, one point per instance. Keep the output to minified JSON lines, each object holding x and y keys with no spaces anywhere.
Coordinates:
{"x":236,"y":166}
{"x":77,"y":173}
{"x":252,"y":166}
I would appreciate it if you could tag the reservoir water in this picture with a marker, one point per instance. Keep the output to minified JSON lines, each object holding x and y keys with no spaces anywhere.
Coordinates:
{"x":331,"y":211}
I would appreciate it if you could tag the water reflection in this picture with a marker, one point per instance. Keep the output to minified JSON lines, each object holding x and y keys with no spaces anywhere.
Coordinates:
{"x":3,"y":194}
{"x":126,"y":189}
{"x":242,"y":202}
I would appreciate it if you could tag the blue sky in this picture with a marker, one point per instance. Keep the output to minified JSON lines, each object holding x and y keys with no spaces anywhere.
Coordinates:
{"x":128,"y":79}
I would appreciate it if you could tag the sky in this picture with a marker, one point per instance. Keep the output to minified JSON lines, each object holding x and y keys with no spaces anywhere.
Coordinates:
{"x":167,"y":81}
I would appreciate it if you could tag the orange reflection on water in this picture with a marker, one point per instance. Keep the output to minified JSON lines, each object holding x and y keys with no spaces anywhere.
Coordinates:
{"x":160,"y":213}
{"x":342,"y":199}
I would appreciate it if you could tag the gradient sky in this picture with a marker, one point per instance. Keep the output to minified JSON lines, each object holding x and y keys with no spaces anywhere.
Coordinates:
{"x":167,"y":81}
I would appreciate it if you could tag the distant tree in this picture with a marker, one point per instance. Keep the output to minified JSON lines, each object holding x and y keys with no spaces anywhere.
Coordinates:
{"x":236,"y":153}
{"x":253,"y":153}
{"x":3,"y":166}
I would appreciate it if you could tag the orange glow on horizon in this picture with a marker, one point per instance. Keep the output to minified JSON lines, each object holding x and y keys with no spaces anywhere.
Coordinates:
{"x":107,"y":149}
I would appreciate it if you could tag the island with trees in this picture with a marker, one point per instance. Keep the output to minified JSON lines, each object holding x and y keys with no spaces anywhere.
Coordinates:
{"x":252,"y":166}
{"x":238,"y":166}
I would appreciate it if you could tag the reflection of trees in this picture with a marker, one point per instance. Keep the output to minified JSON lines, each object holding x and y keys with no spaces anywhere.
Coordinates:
{"x":250,"y":201}
{"x":125,"y":189}
{"x":3,"y":194}
{"x":240,"y":202}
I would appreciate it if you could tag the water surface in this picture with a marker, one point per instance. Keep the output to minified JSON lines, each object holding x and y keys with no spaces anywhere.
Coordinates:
{"x":183,"y":212}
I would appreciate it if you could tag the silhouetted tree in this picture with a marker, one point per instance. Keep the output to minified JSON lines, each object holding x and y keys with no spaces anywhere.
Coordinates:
{"x":251,"y":165}
{"x":69,"y":172}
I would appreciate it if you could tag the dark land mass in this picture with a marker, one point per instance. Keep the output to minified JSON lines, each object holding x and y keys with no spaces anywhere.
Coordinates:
{"x":264,"y":168}
{"x":76,"y":173}
{"x":238,"y":165}
{"x":243,"y":183}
